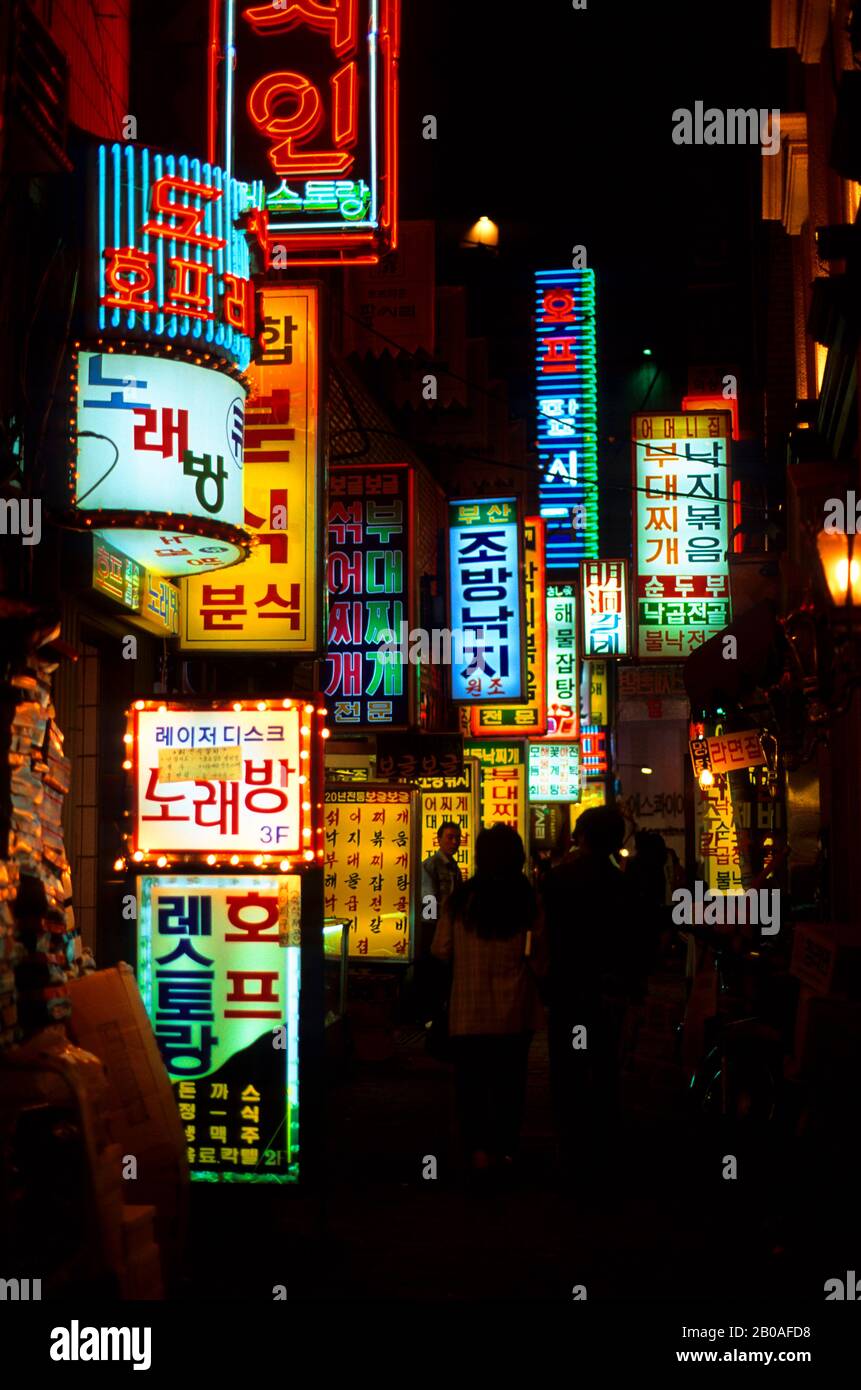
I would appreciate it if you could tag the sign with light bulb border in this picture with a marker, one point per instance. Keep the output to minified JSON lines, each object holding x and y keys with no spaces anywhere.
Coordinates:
{"x":156,"y":459}
{"x":227,"y":783}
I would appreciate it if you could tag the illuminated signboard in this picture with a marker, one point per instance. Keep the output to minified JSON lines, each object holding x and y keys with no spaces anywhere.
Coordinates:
{"x":502,"y":789}
{"x":151,"y":599}
{"x":310,"y":101}
{"x":531,"y":716}
{"x":728,"y":752}
{"x":484,"y":559}
{"x":448,"y":798}
{"x":167,"y":263}
{"x":554,"y":772}
{"x":233,"y":784}
{"x":269,"y":602}
{"x":369,"y":578}
{"x":219,"y":970}
{"x":159,"y":460}
{"x":712,"y":402}
{"x":367,"y":868}
{"x":567,"y":413}
{"x":160,"y":603}
{"x":717,"y":838}
{"x":681,"y":478}
{"x":117,"y":575}
{"x":593,"y":751}
{"x":604,"y":606}
{"x":599,"y":703}
{"x":563,"y":699}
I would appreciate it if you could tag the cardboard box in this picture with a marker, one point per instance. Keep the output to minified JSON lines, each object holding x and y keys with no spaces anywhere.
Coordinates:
{"x":109,"y":1020}
{"x":827,"y":958}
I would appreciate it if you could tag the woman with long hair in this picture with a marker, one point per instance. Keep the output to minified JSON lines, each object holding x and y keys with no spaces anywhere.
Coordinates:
{"x":492,"y":932}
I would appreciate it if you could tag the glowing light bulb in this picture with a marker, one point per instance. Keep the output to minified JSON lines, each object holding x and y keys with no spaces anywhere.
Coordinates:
{"x":707,"y":777}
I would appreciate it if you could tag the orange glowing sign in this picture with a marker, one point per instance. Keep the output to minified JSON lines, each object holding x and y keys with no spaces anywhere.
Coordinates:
{"x":269,"y":602}
{"x":312,"y":110}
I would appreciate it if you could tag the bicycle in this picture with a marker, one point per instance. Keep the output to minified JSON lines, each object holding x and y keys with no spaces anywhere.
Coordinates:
{"x":738,"y":1080}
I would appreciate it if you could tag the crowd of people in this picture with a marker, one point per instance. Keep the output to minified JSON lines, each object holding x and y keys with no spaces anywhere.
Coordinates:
{"x":497,"y":959}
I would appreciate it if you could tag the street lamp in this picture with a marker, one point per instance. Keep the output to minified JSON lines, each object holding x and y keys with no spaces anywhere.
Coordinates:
{"x":482,"y":233}
{"x":841,"y":568}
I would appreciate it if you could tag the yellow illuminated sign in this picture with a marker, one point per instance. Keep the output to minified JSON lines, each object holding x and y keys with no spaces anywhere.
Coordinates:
{"x":269,"y":602}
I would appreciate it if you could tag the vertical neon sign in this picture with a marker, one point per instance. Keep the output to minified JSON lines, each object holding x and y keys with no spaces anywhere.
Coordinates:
{"x":567,"y":414}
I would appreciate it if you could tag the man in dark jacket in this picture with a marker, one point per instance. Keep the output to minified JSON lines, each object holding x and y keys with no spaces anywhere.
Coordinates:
{"x":597,"y":966}
{"x":440,"y":876}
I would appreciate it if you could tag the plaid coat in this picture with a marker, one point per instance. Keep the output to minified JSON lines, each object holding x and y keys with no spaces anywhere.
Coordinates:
{"x":494,"y":986}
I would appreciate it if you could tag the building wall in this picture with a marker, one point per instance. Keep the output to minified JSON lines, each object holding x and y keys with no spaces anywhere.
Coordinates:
{"x":94,"y":35}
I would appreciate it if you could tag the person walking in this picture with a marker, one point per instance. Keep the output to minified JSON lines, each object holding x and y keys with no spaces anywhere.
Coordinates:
{"x":441,"y":875}
{"x":597,"y":966}
{"x":492,"y":932}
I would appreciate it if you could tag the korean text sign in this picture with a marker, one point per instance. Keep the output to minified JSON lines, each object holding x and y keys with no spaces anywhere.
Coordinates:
{"x":502,"y":794}
{"x":168,"y":262}
{"x":604,"y":606}
{"x":257,"y":808}
{"x":567,"y":419}
{"x":718,"y":840}
{"x":554,"y":772}
{"x":156,"y":436}
{"x":448,"y":799}
{"x":269,"y":602}
{"x":681,"y":482}
{"x":728,"y":752}
{"x":563,"y":666}
{"x":316,"y":122}
{"x":369,"y":578}
{"x":367,"y":868}
{"x":485,"y":597}
{"x":219,"y":971}
{"x":531,"y":716}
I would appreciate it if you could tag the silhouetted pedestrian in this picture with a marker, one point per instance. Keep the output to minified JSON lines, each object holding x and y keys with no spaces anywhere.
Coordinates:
{"x":596,"y":969}
{"x":493,"y":933}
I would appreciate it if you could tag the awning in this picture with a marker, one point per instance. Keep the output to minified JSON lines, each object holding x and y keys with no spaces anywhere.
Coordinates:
{"x":714,"y":678}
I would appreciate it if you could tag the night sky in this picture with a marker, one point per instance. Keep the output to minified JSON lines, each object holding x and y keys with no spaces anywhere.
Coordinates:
{"x":558,"y":125}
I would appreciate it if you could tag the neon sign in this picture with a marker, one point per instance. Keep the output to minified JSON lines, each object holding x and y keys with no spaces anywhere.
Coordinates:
{"x":604,"y":589}
{"x":531,"y":716}
{"x":219,"y":970}
{"x":563,"y":666}
{"x":317,"y":138}
{"x":681,"y":474}
{"x":269,"y":602}
{"x":370,"y":848}
{"x":369,"y":568}
{"x":567,"y":413}
{"x":484,"y":556}
{"x":554,"y":771}
{"x":159,"y":460}
{"x":228,"y":783}
{"x":168,"y":263}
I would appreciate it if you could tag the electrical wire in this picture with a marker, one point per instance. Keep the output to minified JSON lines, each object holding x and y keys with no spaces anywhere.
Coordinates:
{"x":91,"y":434}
